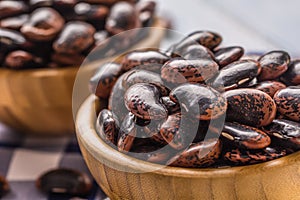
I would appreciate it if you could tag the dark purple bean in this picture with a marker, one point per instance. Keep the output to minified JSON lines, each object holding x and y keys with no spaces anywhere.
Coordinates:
{"x":122,"y":17}
{"x":14,"y":23}
{"x":102,"y":82}
{"x":76,"y":37}
{"x":273,"y":64}
{"x":270,"y":87}
{"x":201,"y":154}
{"x":199,"y":101}
{"x":250,"y":106}
{"x":142,"y":99}
{"x":197,"y":51}
{"x":288,"y":102}
{"x":143,"y":76}
{"x":236,"y":74}
{"x":87,"y":12}
{"x":177,"y":71}
{"x":245,"y":136}
{"x":227,"y":55}
{"x":64,"y":181}
{"x":145,"y":11}
{"x":43,"y":25}
{"x":21,"y":59}
{"x":127,"y":133}
{"x":12,"y":8}
{"x":286,"y":131}
{"x":12,"y":40}
{"x":248,"y":157}
{"x":107,"y":127}
{"x":144,"y":59}
{"x":171,"y":106}
{"x":292,"y":75}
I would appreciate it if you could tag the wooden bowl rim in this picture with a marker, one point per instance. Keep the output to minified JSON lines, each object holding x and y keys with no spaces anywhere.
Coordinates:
{"x":86,"y":134}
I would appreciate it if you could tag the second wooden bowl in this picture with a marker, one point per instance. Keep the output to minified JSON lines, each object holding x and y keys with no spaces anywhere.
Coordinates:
{"x":124,"y":177}
{"x":39,"y":101}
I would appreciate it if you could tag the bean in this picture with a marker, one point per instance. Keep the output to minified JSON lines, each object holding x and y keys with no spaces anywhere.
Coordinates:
{"x":149,"y":60}
{"x":64,"y":181}
{"x":273,"y":64}
{"x":12,"y":8}
{"x":127,"y":133}
{"x":102,"y":82}
{"x":193,"y":52}
{"x":22,"y":59}
{"x":171,"y":106}
{"x":199,"y":101}
{"x":245,"y":136}
{"x":178,"y":71}
{"x":108,"y":127}
{"x":236,"y":74}
{"x":248,"y":157}
{"x":14,"y":23}
{"x":286,"y":131}
{"x":288,"y":102}
{"x":43,"y":25}
{"x":142,"y":100}
{"x":122,"y":17}
{"x":292,"y":75}
{"x":270,"y":87}
{"x":227,"y":55}
{"x":145,"y":10}
{"x":250,"y":107}
{"x":201,"y":154}
{"x":76,"y":37}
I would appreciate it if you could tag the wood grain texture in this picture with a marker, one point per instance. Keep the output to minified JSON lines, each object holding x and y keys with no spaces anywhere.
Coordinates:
{"x":39,"y":101}
{"x":123,"y":177}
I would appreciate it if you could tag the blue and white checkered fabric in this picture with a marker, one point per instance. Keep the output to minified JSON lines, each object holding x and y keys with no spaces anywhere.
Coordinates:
{"x":24,"y":158}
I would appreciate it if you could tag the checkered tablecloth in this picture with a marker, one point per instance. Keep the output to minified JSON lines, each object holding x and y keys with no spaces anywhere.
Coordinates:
{"x":23,"y":159}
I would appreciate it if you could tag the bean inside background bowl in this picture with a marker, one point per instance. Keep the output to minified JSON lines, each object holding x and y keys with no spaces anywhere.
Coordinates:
{"x":62,"y":33}
{"x":243,"y":113}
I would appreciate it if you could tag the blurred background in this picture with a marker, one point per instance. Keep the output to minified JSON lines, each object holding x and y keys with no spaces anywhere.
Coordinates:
{"x":256,"y":25}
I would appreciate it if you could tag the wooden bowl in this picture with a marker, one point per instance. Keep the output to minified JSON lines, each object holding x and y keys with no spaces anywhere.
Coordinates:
{"x":39,"y":101}
{"x":124,"y":177}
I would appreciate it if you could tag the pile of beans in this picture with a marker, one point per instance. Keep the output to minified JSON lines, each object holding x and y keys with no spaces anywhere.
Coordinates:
{"x":200,"y":105}
{"x":57,"y":33}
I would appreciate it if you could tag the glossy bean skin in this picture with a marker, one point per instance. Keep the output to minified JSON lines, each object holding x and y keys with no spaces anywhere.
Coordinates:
{"x":85,"y":11}
{"x":208,"y":39}
{"x":288,"y":102}
{"x":199,"y":101}
{"x":14,"y":23}
{"x":142,"y":99}
{"x":145,"y":10}
{"x":127,"y":133}
{"x":245,"y":136}
{"x":227,"y":55}
{"x":292,"y":75}
{"x":270,"y":87}
{"x":12,"y":8}
{"x":21,"y":59}
{"x":75,"y":37}
{"x":248,"y":157}
{"x":236,"y":74}
{"x":149,"y":60}
{"x":173,"y":133}
{"x":102,"y":82}
{"x":122,"y":17}
{"x":64,"y":181}
{"x":116,"y":99}
{"x":198,"y":155}
{"x":178,"y":71}
{"x":142,"y":76}
{"x":273,"y":64}
{"x":250,"y":107}
{"x":285,"y":130}
{"x":43,"y":25}
{"x":171,"y":106}
{"x":4,"y":187}
{"x":12,"y":40}
{"x":194,"y":52}
{"x":107,"y":126}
